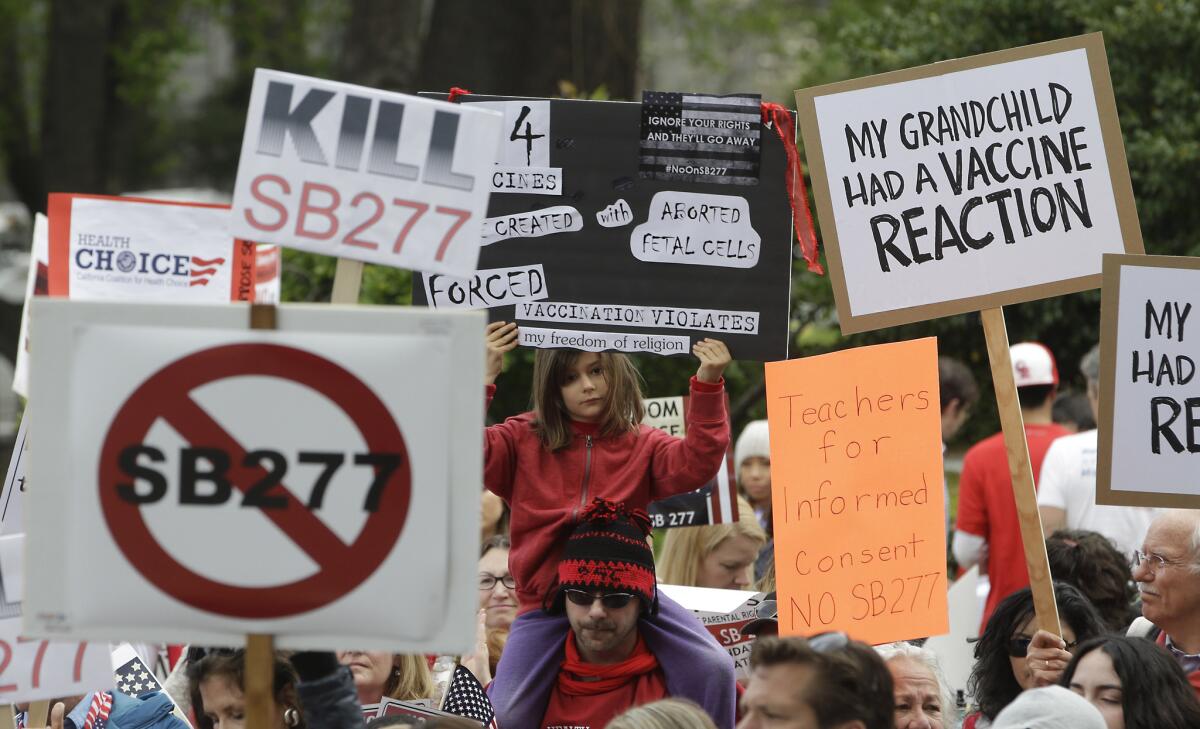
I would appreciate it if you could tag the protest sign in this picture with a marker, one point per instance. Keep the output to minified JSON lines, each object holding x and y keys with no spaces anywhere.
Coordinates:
{"x":856,"y":481}
{"x":713,"y":503}
{"x":970,"y":183}
{"x":268,"y":274}
{"x":37,"y":283}
{"x":31,"y":669}
{"x":13,"y":493}
{"x":956,"y":650}
{"x":1149,"y":397}
{"x":410,"y":193}
{"x":725,"y":613}
{"x":137,"y":249}
{"x":595,"y":240}
{"x":333,"y":449}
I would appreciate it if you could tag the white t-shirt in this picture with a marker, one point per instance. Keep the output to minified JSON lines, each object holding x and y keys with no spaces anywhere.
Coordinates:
{"x":1068,"y":482}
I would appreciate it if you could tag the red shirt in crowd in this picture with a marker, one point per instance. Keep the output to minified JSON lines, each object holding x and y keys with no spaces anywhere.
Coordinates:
{"x":986,"y":507}
{"x":548,"y":490}
{"x":588,"y":696}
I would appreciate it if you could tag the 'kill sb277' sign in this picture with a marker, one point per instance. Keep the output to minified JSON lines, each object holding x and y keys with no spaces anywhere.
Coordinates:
{"x":360,"y":173}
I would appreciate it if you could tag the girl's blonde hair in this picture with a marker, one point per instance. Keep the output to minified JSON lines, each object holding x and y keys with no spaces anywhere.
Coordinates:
{"x":686,"y":547}
{"x":623,"y":410}
{"x":410,"y":679}
{"x":664,"y":714}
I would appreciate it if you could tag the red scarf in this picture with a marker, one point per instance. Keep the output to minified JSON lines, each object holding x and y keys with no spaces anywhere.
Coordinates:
{"x":577,"y":678}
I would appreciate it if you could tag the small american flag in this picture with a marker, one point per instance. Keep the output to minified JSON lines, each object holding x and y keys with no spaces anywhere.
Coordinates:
{"x":133,"y":678}
{"x":465,"y":697}
{"x":97,"y":716}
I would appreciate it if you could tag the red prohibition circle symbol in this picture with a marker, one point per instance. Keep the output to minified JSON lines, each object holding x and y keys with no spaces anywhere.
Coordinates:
{"x":342,"y":567}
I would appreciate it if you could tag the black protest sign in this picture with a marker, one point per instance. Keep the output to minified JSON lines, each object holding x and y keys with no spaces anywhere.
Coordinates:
{"x":1149,"y":394}
{"x":584,"y":252}
{"x":969,"y":184}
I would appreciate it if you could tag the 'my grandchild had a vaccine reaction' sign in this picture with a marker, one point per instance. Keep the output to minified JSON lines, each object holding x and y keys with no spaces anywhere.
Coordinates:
{"x":969,"y":184}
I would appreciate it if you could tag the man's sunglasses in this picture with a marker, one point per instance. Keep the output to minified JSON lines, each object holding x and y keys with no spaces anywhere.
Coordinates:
{"x":610,"y":600}
{"x":1019,"y":647}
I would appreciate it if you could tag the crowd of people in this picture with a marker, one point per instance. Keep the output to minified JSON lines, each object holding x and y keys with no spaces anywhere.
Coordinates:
{"x":573,"y":633}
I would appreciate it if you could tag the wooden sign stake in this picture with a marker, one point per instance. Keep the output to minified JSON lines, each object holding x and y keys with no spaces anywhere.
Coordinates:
{"x":260,"y":649}
{"x":260,"y":680}
{"x":347,"y":282}
{"x":7,"y":720}
{"x":38,"y":715}
{"x":1013,"y":425}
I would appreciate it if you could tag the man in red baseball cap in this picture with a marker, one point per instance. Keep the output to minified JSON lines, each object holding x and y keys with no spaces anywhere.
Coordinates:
{"x":987,"y":530}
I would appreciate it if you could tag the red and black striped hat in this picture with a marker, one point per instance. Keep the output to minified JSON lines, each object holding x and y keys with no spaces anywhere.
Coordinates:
{"x":608,"y":552}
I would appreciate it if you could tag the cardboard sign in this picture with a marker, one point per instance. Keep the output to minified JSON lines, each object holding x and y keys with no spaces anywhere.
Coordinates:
{"x":37,"y":283}
{"x":969,"y":184}
{"x":586,"y":252}
{"x":955,"y":650}
{"x":332,"y":449}
{"x":1149,"y":397}
{"x":724,"y":613}
{"x":32,"y":669}
{"x":13,"y":494}
{"x":135,"y":249}
{"x":360,"y":173}
{"x":856,"y":466}
{"x":713,"y":503}
{"x":268,"y":274}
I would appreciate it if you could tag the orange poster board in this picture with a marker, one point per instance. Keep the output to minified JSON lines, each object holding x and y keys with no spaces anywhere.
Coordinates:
{"x":856,"y":478}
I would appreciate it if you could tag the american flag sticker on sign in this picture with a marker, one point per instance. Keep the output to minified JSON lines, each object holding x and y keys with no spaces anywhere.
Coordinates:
{"x":701,"y":137}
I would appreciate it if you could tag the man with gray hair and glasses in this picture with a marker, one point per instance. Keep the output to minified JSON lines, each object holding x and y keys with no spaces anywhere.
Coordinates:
{"x":1067,"y":484}
{"x":1167,"y":570}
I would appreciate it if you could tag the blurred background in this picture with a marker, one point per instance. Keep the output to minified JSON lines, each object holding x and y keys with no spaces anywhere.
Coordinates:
{"x":118,"y":96}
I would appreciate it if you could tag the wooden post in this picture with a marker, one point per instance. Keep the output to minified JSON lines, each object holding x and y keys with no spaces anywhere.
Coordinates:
{"x":260,"y":680}
{"x":260,"y":649}
{"x":38,"y":715}
{"x":347,"y":282}
{"x":7,"y":719}
{"x":1019,"y":467}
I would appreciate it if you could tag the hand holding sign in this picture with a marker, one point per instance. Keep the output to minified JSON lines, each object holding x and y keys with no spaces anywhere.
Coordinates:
{"x":501,"y":339}
{"x":714,"y":358}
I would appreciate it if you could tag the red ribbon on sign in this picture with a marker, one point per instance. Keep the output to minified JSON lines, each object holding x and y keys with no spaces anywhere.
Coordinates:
{"x":456,"y":92}
{"x":779,"y":118}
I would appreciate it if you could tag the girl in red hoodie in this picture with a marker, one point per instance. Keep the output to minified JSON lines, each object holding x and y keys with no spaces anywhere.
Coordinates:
{"x":584,"y":439}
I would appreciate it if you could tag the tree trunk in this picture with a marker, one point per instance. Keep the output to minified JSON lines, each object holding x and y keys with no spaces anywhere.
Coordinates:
{"x":527,"y":47}
{"x":381,"y":46}
{"x":76,"y":96}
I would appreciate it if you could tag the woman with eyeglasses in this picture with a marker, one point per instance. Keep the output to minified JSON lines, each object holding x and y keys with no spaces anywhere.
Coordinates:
{"x":497,"y":606}
{"x":497,"y":588}
{"x":1001,"y":671}
{"x":1134,"y":683}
